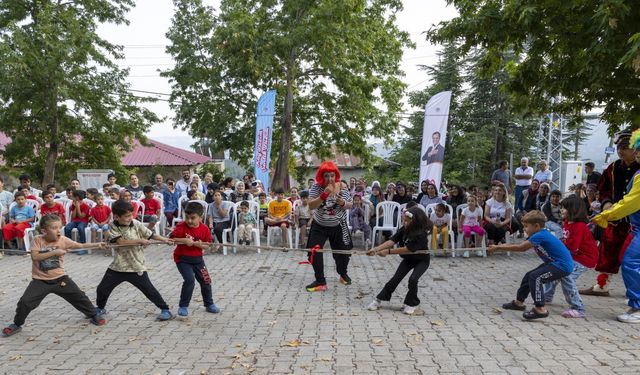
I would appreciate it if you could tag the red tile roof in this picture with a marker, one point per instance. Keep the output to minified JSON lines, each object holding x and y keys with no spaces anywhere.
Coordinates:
{"x":158,"y":153}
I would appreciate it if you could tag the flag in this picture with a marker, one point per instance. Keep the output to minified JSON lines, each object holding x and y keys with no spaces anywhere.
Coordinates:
{"x":265,"y":113}
{"x":434,"y":135}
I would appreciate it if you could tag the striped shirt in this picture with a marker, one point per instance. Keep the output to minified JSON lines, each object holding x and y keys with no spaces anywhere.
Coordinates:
{"x":329,"y":214}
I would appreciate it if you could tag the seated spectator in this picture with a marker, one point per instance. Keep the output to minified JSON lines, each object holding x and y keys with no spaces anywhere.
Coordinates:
{"x":429,"y":194}
{"x":241,"y":193}
{"x":114,"y":193}
{"x":171,"y":198}
{"x":543,"y":195}
{"x":591,"y":200}
{"x":498,"y":213}
{"x":551,"y":210}
{"x":219,"y":215}
{"x":91,"y":193}
{"x":79,"y":217}
{"x":401,"y":195}
{"x":293,"y":195}
{"x":134,"y":187}
{"x":151,"y":207}
{"x":106,"y":187}
{"x":279,"y":214}
{"x":51,"y":207}
{"x":21,"y":217}
{"x":196,"y":187}
{"x":128,"y":197}
{"x":455,"y":198}
{"x":530,"y":196}
{"x":25,"y":183}
{"x":100,"y":217}
{"x":111,"y":179}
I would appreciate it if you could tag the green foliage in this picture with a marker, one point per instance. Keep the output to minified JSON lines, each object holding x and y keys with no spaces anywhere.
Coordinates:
{"x":212,"y":168}
{"x":584,"y":53}
{"x":334,"y":64}
{"x":63,"y":101}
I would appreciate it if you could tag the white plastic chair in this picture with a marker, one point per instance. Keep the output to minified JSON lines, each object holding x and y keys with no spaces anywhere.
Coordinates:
{"x":452,"y":236}
{"x":254,"y":208}
{"x":389,"y":211}
{"x":483,"y":245}
{"x":228,"y":233}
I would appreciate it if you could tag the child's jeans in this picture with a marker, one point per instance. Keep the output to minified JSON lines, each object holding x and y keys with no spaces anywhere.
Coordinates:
{"x":95,"y":226}
{"x":191,"y":272}
{"x":468,"y":229}
{"x":534,"y":280}
{"x":444,"y":231}
{"x":80,"y":225}
{"x":244,"y":232}
{"x":554,"y":228}
{"x":569,"y":288}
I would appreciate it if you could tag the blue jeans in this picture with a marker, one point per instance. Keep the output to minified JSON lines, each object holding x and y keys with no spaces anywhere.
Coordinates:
{"x":193,"y":269}
{"x":569,"y":288}
{"x":554,"y":228}
{"x":80,"y":226}
{"x":519,"y":190}
{"x":631,"y":271}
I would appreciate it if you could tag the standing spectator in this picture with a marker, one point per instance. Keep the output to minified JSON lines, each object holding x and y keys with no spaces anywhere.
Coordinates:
{"x":592,"y":176}
{"x":159,"y":186}
{"x":502,"y":175}
{"x":183,"y":185}
{"x":171,"y":198}
{"x":523,"y":175}
{"x":75,"y":183}
{"x":25,"y":183}
{"x":544,"y":174}
{"x":111,"y":178}
{"x":134,"y":187}
{"x":310,"y":183}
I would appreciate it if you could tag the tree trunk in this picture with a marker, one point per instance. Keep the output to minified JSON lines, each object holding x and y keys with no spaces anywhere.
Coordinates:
{"x":50,"y":164}
{"x":281,"y":174}
{"x":49,"y":174}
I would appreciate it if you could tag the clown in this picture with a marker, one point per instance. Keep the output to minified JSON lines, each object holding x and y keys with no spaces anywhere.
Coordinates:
{"x":330,"y":204}
{"x":629,"y":206}
{"x":612,"y":187}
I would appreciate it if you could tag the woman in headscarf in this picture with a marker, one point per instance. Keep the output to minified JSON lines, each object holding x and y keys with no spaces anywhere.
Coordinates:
{"x":330,"y":203}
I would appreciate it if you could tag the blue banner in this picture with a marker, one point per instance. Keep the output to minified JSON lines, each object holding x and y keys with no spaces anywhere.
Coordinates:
{"x":265,"y":114}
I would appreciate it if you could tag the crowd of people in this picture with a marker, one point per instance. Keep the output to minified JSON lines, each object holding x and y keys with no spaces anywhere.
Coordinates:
{"x":592,"y":226}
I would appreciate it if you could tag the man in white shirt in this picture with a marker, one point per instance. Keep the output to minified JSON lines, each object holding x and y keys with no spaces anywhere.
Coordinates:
{"x":544,"y":174}
{"x":183,"y":185}
{"x":523,"y":175}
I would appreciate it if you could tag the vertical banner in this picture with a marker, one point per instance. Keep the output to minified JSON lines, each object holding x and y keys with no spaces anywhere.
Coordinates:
{"x":434,"y":135}
{"x":265,"y":113}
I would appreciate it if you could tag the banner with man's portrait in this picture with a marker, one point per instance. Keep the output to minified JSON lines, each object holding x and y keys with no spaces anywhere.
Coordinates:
{"x":434,"y":135}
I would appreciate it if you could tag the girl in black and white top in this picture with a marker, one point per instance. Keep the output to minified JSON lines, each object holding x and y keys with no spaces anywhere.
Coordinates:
{"x":330,"y":204}
{"x":411,"y":237}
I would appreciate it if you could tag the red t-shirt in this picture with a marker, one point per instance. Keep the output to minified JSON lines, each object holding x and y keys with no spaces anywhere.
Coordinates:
{"x":100,"y":213}
{"x":201,"y":233}
{"x":57,"y":210}
{"x":579,"y":240}
{"x":135,"y":209}
{"x":151,"y":206}
{"x":84,"y":208}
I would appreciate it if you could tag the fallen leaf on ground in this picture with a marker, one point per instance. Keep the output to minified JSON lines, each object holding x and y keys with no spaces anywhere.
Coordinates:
{"x":31,"y":338}
{"x":293,"y":343}
{"x":377,"y":341}
{"x":326,"y":359}
{"x":635,"y":337}
{"x":497,"y":310}
{"x":16,"y":357}
{"x":238,"y":345}
{"x":437,"y":323}
{"x":203,"y":372}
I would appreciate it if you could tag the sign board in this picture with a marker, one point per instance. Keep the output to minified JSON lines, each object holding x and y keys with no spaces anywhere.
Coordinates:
{"x":571,"y":174}
{"x":610,"y":150}
{"x":92,"y":178}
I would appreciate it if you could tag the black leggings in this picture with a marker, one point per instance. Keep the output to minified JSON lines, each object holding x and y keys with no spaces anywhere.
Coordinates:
{"x":112,"y":279}
{"x":339,"y":238}
{"x":219,"y":227}
{"x":63,"y":287}
{"x":419,"y":267}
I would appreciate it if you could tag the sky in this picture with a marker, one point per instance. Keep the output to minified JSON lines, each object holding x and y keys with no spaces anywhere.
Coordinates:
{"x":144,"y":44}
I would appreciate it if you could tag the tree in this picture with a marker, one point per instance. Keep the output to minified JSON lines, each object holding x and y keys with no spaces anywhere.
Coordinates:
{"x":584,"y":54}
{"x":446,"y":76}
{"x":334,"y":64}
{"x":63,"y":101}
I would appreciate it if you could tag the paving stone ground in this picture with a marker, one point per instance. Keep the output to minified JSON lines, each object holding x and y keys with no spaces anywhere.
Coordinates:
{"x":266,"y":309}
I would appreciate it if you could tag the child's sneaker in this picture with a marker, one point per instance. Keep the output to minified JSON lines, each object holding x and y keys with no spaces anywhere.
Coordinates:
{"x":409,"y":310}
{"x":100,"y":311}
{"x":374,"y":305}
{"x":631,"y":316}
{"x":465,"y":254}
{"x":183,"y":311}
{"x":98,"y":320}
{"x":165,"y":315}
{"x":571,"y":313}
{"x":345,"y":280}
{"x":212,"y":308}
{"x":479,"y":253}
{"x":11,"y":330}
{"x":316,"y":287}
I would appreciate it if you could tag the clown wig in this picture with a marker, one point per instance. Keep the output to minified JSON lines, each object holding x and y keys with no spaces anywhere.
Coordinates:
{"x":327,"y":166}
